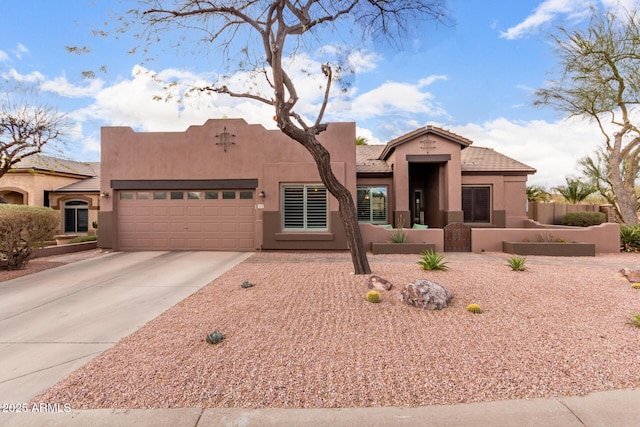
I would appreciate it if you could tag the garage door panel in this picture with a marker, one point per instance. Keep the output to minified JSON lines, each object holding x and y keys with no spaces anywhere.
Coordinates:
{"x":160,"y":211}
{"x":177,"y":211}
{"x":160,"y":227}
{"x":211,"y":211}
{"x":189,"y":224}
{"x":245,"y":228}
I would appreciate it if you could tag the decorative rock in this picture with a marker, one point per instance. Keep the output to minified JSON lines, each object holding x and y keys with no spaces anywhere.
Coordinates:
{"x":425,"y":294}
{"x":378,"y":283}
{"x":632,"y":275}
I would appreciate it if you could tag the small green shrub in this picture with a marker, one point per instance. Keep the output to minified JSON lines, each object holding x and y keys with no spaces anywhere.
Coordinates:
{"x":81,"y":239}
{"x":22,"y":230}
{"x":246,"y":284}
{"x":583,"y":219}
{"x":374,"y":297}
{"x":215,"y":337}
{"x":474,"y":308}
{"x":517,"y":263}
{"x":431,"y":260}
{"x":398,"y":236}
{"x":630,"y":238}
{"x":635,"y":320}
{"x":545,"y":236}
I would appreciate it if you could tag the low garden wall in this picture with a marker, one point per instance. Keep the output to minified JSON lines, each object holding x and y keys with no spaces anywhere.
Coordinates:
{"x":374,"y":233}
{"x":605,"y":236}
{"x":64,"y":249}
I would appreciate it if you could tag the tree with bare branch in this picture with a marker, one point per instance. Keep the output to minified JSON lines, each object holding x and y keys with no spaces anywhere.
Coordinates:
{"x":277,"y":29}
{"x":25,"y":126}
{"x":599,"y":80}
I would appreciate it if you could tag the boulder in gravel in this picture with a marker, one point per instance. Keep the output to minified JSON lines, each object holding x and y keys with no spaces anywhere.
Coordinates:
{"x":426,"y":294}
{"x":378,"y":283}
{"x":632,"y":275}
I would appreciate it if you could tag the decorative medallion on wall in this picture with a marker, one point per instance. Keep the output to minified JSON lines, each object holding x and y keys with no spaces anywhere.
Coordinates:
{"x":224,"y":138}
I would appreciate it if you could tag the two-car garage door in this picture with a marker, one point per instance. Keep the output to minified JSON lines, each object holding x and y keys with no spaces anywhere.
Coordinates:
{"x":186,"y":220}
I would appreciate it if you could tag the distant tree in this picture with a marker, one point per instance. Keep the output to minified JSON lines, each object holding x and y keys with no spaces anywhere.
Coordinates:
{"x":25,"y":126}
{"x":599,"y":80}
{"x":536,"y":193}
{"x":576,"y":190}
{"x":279,"y":28}
{"x":595,"y":168}
{"x":361,"y":140}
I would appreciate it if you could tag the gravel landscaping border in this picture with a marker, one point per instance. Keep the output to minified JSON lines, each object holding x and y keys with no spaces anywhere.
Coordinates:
{"x":305,"y":337}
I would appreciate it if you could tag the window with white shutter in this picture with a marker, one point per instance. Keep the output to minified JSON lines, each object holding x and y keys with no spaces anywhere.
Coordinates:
{"x":304,"y":208}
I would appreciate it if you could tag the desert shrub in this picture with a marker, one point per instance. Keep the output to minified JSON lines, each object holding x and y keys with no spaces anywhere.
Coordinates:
{"x":431,"y":260}
{"x":81,"y":239}
{"x":22,"y":230}
{"x":517,"y":263}
{"x":474,"y":308}
{"x":635,"y":286}
{"x":635,"y":320}
{"x":630,"y":238}
{"x":373,"y":296}
{"x":583,"y":219}
{"x":215,"y":337}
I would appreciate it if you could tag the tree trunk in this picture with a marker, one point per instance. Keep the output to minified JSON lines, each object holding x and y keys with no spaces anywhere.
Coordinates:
{"x":347,"y":208}
{"x":626,"y":199}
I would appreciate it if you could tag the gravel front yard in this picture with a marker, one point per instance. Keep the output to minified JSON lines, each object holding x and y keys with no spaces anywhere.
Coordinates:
{"x":305,"y":337}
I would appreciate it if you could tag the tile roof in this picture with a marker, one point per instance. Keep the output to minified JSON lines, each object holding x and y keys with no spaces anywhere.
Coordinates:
{"x":454,"y":137}
{"x":368,"y":159}
{"x":482,"y":159}
{"x":54,"y":164}
{"x":474,"y":159}
{"x":86,"y":185}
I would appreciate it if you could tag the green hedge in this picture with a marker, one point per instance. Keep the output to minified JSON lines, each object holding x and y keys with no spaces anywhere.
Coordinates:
{"x":583,"y":219}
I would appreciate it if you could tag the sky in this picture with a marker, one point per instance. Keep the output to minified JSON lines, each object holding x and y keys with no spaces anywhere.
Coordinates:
{"x":474,"y":75}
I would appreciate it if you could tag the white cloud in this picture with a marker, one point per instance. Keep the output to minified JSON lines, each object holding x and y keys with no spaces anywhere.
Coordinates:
{"x":553,"y":149}
{"x":546,"y":12}
{"x":396,"y":98}
{"x":21,"y":50}
{"x":62,"y":87}
{"x":3,"y":56}
{"x":33,"y":77}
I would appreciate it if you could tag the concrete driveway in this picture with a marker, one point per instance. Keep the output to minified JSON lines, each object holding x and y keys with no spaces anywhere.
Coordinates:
{"x":55,"y":321}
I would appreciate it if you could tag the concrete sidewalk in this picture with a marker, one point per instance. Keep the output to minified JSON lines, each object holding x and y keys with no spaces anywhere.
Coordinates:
{"x":620,"y":408}
{"x":55,"y":321}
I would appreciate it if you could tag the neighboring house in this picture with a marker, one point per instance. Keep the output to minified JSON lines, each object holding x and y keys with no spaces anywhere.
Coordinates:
{"x":71,"y":187}
{"x":229,"y":185}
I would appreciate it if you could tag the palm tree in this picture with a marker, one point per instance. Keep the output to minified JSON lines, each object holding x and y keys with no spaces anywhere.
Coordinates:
{"x":361,"y":140}
{"x":576,"y":190}
{"x":535,"y":193}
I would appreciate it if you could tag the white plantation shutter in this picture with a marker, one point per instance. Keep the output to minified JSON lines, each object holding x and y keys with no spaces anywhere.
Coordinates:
{"x":304,"y":207}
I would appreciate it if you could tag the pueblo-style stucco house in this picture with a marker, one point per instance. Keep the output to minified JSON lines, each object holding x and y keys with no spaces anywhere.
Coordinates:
{"x":69,"y":186}
{"x":229,"y":185}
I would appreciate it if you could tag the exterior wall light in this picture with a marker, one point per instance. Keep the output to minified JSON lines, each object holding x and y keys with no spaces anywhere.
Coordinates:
{"x":261,"y":194}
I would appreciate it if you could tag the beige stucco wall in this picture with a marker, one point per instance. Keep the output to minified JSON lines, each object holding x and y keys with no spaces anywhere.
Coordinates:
{"x":258,"y":153}
{"x":32,"y":185}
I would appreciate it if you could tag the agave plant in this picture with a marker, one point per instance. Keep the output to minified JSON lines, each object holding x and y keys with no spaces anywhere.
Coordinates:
{"x":635,"y":320}
{"x":431,"y":260}
{"x":517,"y":263}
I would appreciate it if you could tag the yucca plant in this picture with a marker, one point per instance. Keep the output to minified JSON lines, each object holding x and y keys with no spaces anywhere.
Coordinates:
{"x":517,"y":263}
{"x":635,"y":320}
{"x":431,"y":260}
{"x":630,"y":238}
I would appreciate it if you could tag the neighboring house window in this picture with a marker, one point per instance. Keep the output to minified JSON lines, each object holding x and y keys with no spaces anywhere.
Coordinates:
{"x":304,"y":207}
{"x":76,"y":216}
{"x":476,"y":204}
{"x":372,"y":204}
